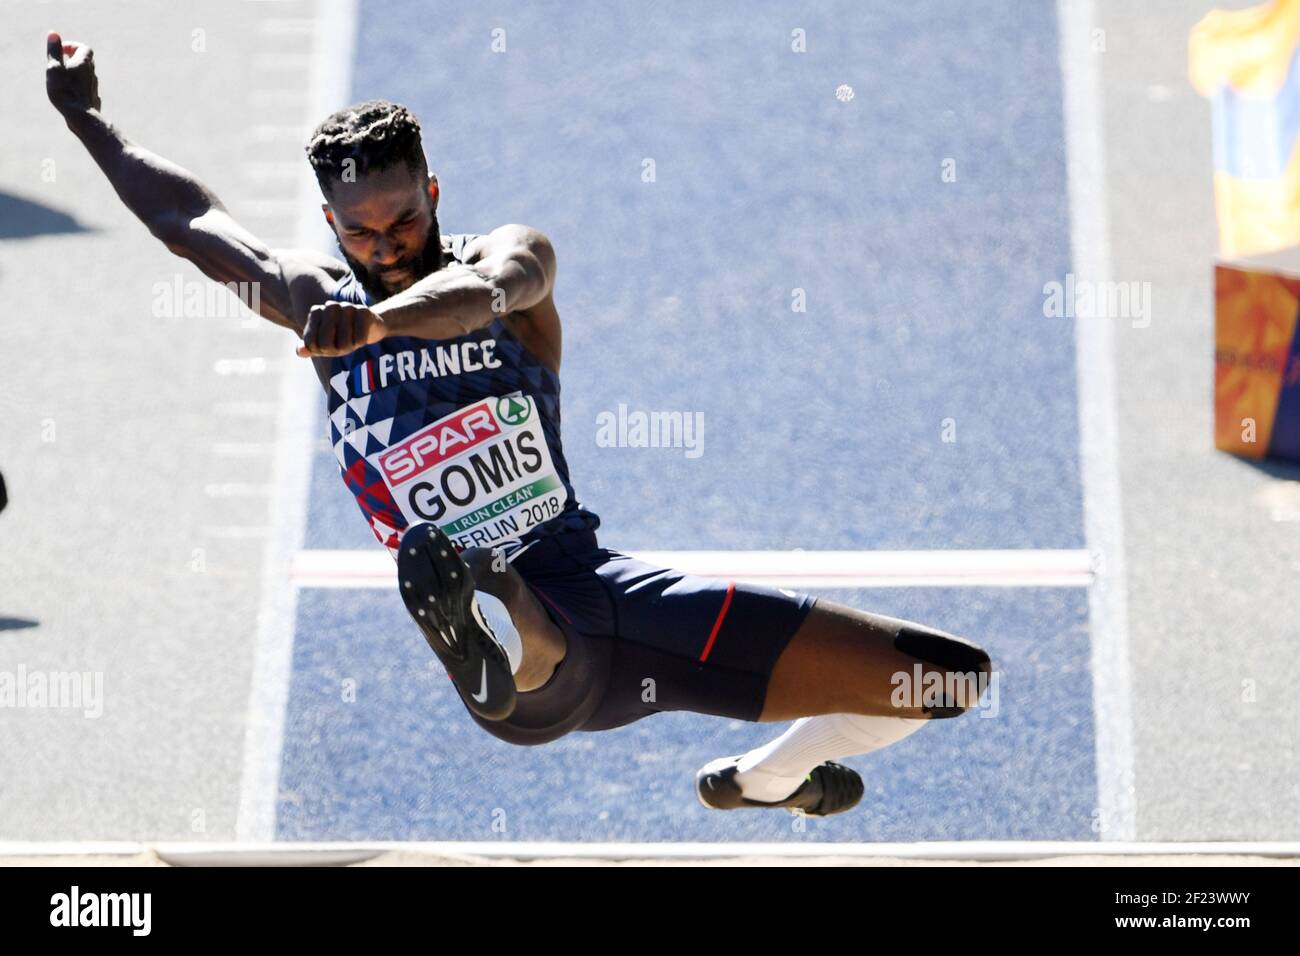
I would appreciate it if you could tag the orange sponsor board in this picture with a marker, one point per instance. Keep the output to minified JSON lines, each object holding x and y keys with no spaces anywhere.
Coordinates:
{"x":1256,"y":367}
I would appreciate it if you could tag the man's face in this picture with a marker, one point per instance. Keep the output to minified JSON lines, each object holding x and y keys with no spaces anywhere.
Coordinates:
{"x":387,"y":227}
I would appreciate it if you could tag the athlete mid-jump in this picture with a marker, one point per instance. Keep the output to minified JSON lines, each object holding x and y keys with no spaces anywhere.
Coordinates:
{"x":440,"y":358}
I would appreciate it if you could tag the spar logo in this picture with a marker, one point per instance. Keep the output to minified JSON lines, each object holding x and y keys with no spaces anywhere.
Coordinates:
{"x":444,"y":439}
{"x":513,"y":411}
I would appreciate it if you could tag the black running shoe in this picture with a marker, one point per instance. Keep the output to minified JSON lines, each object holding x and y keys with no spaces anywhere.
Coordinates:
{"x":830,"y":788}
{"x":438,"y":590}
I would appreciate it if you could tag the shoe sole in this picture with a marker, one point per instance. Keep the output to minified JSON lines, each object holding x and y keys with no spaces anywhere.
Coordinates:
{"x":438,"y":591}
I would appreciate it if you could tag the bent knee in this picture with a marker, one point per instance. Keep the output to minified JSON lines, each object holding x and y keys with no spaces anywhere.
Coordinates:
{"x":965,"y":668}
{"x":943,"y":650}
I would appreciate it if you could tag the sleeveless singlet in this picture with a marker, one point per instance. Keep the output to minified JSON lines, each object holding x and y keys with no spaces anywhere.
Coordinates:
{"x":461,"y":432}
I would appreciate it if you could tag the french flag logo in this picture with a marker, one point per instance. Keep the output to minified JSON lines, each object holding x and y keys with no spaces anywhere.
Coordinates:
{"x":363,"y":378}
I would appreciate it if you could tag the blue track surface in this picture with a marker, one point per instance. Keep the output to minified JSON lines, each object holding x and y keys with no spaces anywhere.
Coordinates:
{"x":822,"y":429}
{"x":404,"y":761}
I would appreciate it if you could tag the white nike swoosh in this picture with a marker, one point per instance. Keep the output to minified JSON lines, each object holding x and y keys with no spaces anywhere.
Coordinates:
{"x":482,"y":689}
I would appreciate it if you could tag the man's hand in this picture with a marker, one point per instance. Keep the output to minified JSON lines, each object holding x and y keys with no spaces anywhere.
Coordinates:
{"x":70,"y":84}
{"x":337,"y":328}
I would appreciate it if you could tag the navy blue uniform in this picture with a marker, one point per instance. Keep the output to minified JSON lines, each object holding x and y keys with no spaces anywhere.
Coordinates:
{"x":465,"y":433}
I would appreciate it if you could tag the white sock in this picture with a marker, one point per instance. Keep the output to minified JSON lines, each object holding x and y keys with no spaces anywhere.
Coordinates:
{"x":775,"y":770}
{"x":493,"y":611}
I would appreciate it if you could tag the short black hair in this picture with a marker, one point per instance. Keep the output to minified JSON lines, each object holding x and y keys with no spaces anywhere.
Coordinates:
{"x":375,"y":135}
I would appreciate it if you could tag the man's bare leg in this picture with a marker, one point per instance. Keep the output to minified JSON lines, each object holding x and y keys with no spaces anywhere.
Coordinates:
{"x":858,"y":682}
{"x":472,"y":628}
{"x":845,"y":661}
{"x":544,"y":644}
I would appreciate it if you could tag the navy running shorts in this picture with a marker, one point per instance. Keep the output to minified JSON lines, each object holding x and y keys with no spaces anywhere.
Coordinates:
{"x":644,"y":639}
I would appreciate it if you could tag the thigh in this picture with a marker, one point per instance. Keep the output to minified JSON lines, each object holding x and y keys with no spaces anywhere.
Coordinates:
{"x":542,"y":639}
{"x":844,"y":660}
{"x":574,"y":603}
{"x":685,"y":642}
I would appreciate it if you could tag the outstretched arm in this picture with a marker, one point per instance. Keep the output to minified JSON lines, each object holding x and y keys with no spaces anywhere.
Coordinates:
{"x":175,"y":206}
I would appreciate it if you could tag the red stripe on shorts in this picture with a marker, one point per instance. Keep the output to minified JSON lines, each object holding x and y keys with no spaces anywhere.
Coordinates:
{"x":558,"y":610}
{"x":717,"y":625}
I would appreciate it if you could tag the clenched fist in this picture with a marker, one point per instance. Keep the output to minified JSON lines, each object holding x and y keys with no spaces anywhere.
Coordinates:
{"x":337,"y":328}
{"x":70,"y":84}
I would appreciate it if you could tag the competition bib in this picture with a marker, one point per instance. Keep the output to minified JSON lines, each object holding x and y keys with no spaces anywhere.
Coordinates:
{"x":483,"y":474}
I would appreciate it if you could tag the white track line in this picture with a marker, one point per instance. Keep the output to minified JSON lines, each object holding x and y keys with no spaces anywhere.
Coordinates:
{"x":788,"y":569}
{"x":288,"y":854}
{"x":1094,"y":348}
{"x":330,"y":85}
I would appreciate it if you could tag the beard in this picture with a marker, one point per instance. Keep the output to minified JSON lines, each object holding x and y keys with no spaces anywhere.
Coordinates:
{"x":429,"y":260}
